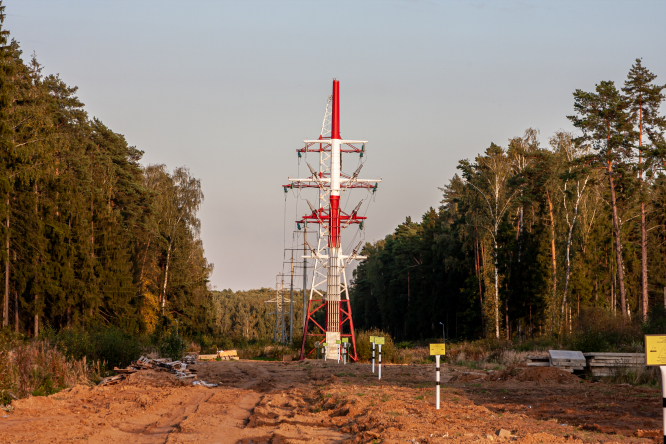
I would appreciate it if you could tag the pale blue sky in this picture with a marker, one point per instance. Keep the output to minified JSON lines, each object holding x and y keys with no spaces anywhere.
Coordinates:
{"x":231,"y":88}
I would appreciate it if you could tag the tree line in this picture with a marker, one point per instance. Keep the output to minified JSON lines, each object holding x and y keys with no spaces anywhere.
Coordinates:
{"x":529,"y":235}
{"x":88,"y":235}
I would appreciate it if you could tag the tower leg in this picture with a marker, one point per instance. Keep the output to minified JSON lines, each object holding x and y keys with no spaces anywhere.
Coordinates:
{"x":306,"y":321}
{"x":351,"y":330}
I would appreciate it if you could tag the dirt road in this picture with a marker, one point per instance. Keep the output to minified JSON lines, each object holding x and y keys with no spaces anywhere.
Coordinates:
{"x":312,"y":401}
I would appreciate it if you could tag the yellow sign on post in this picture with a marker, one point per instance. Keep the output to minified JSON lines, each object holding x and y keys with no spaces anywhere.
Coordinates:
{"x":379,"y":340}
{"x":372,"y":339}
{"x":345,"y":340}
{"x":437,"y":349}
{"x":655,"y":349}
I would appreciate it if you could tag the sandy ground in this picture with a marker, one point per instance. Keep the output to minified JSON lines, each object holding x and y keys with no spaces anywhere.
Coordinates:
{"x":312,"y":401}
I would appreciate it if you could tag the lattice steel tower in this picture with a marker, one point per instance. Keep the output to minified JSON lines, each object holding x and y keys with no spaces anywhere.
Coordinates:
{"x":329,"y":284}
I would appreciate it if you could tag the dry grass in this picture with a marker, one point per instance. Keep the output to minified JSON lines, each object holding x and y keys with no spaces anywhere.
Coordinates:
{"x":38,"y":368}
{"x":635,"y":375}
{"x":411,"y":355}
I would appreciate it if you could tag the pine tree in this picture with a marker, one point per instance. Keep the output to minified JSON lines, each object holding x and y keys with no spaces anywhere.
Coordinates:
{"x":604,"y":118}
{"x":644,"y":100}
{"x":6,"y":147}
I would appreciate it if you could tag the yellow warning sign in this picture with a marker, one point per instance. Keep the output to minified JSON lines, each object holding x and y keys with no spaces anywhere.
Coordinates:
{"x":345,"y":340}
{"x":437,"y":349}
{"x":655,"y":349}
{"x":379,"y":340}
{"x":337,"y":342}
{"x":372,"y":339}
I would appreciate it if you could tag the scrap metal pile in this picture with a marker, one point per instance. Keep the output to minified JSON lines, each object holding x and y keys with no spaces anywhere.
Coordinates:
{"x":178,"y":368}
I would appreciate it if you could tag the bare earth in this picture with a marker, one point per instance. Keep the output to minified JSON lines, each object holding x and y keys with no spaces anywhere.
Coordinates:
{"x":312,"y":401}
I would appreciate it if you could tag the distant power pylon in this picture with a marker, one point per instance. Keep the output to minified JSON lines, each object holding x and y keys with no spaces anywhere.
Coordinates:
{"x":280,"y":332}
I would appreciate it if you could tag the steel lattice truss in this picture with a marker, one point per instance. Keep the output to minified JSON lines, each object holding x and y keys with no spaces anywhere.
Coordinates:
{"x":329,"y":281}
{"x":281,"y":300}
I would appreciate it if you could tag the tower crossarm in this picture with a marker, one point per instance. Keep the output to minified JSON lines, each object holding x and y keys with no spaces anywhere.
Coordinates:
{"x":323,"y":216}
{"x":310,"y":182}
{"x":325,"y":146}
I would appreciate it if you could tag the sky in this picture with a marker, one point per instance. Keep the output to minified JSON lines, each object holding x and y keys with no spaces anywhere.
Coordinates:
{"x":231,"y":88}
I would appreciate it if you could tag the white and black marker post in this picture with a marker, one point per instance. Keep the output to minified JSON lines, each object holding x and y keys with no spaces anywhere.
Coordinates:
{"x":663,"y":395}
{"x":325,"y":349}
{"x":372,"y":340}
{"x":345,"y":343}
{"x":379,"y":340}
{"x":655,"y":355}
{"x":338,"y":343}
{"x":437,"y":350}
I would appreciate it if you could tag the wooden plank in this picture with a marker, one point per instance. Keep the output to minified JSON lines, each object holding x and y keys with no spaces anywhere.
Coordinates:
{"x":222,"y":353}
{"x":614,"y":355}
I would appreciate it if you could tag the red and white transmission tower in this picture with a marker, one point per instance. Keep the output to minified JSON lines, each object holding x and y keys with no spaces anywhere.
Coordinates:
{"x":329,"y":284}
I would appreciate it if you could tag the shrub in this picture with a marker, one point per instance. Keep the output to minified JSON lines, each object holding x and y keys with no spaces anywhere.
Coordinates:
{"x":364,"y":347}
{"x":116,"y":347}
{"x":109,"y":345}
{"x":656,"y":323}
{"x":38,"y":368}
{"x":172,"y":346}
{"x":597,"y":330}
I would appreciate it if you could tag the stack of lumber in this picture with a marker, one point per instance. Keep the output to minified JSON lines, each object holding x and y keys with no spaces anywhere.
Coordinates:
{"x":538,"y":361}
{"x":224,"y":355}
{"x":178,"y":368}
{"x":228,"y":355}
{"x":191,"y":358}
{"x":567,"y":360}
{"x":608,"y":364}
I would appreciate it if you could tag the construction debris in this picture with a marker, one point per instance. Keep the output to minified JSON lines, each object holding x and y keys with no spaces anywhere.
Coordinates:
{"x":598,"y":364}
{"x":222,"y":355}
{"x":178,"y":368}
{"x":567,"y":360}
{"x":609,"y":364}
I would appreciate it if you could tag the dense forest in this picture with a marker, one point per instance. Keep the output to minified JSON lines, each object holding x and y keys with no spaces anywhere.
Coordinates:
{"x":531,"y":234}
{"x":89,"y":236}
{"x":245,"y":315}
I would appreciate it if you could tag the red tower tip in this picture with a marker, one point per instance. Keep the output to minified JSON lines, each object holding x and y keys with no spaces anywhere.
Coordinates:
{"x":335,"y":118}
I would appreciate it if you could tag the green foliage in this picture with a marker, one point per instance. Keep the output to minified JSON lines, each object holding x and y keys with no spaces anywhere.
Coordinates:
{"x":599,"y":331}
{"x":364,"y":346}
{"x":109,"y":345}
{"x":172,"y":345}
{"x":529,"y":237}
{"x":656,"y":323}
{"x":95,"y":239}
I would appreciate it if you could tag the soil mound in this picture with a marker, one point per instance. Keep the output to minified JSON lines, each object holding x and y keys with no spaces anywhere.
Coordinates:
{"x":535,"y":374}
{"x":153,"y":378}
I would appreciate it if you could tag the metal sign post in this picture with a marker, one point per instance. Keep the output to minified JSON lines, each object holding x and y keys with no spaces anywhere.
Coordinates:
{"x":437,"y":350}
{"x":380,"y":341}
{"x":325,"y":345}
{"x":345,"y":343}
{"x":372,"y":340}
{"x":338,"y":342}
{"x":655,"y":355}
